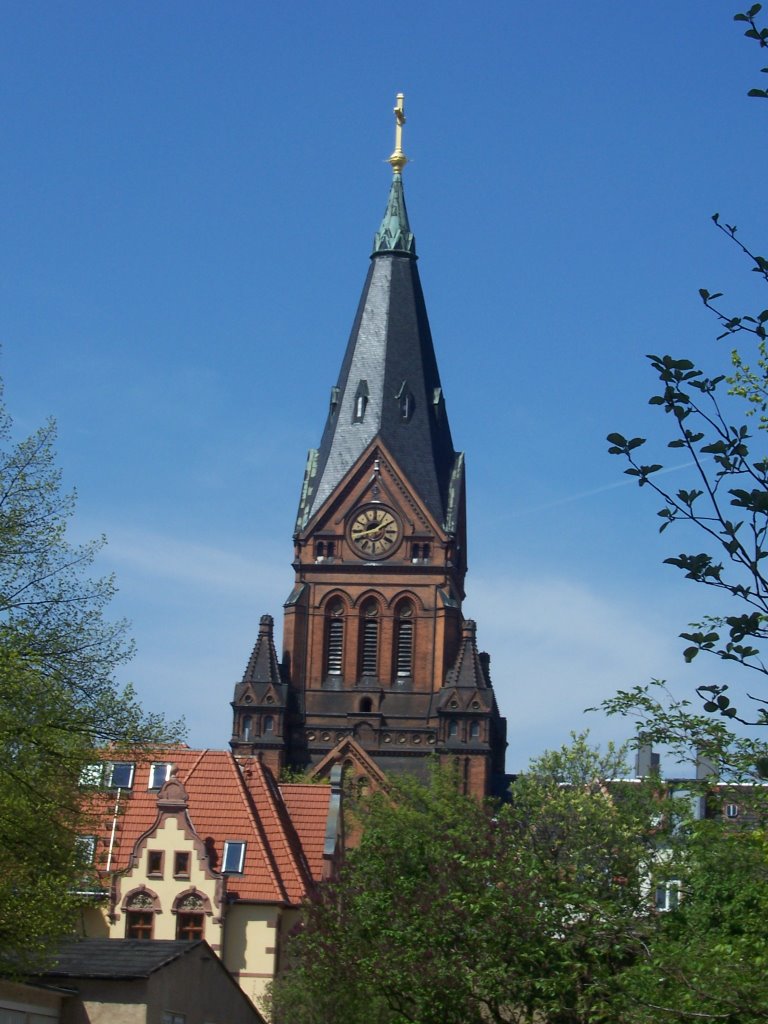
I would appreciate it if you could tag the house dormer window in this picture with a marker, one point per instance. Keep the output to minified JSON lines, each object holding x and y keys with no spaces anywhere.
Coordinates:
{"x":159,"y":772}
{"x":234,"y":857}
{"x":120,"y":775}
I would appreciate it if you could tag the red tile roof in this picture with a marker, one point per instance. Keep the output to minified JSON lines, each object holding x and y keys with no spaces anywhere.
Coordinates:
{"x":225,"y":803}
{"x":308,"y":807}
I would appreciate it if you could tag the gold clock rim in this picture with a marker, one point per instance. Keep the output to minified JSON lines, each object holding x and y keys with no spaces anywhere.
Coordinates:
{"x":361,"y":510}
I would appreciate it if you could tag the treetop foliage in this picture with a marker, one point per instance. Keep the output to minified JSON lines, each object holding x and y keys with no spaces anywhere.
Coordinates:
{"x":539,"y":911}
{"x":59,"y":703}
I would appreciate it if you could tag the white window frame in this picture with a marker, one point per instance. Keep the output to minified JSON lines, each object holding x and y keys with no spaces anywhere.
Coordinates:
{"x":113,"y":766}
{"x":667,"y":895}
{"x":230,"y":852}
{"x":155,"y":766}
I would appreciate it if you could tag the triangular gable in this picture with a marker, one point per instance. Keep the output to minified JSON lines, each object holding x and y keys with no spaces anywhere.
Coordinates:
{"x":357,"y":484}
{"x":452,"y":698}
{"x":348,"y":750}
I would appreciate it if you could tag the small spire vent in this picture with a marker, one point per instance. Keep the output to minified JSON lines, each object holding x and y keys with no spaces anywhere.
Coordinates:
{"x":405,"y":401}
{"x":361,"y":402}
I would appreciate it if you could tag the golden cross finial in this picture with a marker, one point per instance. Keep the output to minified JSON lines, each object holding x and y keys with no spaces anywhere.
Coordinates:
{"x":398,"y":158}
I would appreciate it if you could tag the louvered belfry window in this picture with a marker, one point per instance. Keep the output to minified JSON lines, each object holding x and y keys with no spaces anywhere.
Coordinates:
{"x":404,"y":652}
{"x":370,"y":658}
{"x":335,"y":639}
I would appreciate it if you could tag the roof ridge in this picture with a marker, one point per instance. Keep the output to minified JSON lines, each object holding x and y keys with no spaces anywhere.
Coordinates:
{"x":197,"y":762}
{"x":290,"y":836}
{"x":301,"y":880}
{"x":258,"y":826}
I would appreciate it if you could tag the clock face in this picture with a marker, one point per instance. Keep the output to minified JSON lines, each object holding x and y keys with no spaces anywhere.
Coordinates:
{"x":374,"y":532}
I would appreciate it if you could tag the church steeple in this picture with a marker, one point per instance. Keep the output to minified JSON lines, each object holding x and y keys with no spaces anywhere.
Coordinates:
{"x":378,"y":671}
{"x":389,"y":385}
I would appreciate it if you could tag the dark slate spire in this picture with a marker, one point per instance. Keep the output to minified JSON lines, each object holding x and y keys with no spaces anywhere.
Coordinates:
{"x":469,"y":669}
{"x":263,"y":666}
{"x":389,"y":385}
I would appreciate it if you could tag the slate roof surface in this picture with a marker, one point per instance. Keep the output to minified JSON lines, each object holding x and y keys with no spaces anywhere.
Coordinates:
{"x":117,"y":958}
{"x":390,"y":352}
{"x":225,"y":803}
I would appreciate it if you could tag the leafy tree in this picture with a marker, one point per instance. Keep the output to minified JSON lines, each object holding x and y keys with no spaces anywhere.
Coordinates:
{"x":706,"y":960}
{"x":456,"y":911}
{"x":726,"y":503}
{"x":59,"y":704}
{"x":540,"y":911}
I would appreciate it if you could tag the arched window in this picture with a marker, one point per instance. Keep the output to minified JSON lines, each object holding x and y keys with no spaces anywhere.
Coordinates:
{"x":140,"y":908}
{"x":453,"y":728}
{"x":404,"y":641}
{"x":269,"y":723}
{"x":370,"y":649}
{"x":366,"y":705}
{"x":474,"y":731}
{"x":190,"y":917}
{"x":334,"y":657}
{"x":247,"y":726}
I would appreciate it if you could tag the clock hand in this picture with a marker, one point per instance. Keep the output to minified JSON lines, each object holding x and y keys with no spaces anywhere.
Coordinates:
{"x":373,"y":529}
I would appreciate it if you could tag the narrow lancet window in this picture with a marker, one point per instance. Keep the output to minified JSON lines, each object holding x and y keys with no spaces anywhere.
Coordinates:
{"x":370,"y":653}
{"x":335,"y":639}
{"x":404,"y":641}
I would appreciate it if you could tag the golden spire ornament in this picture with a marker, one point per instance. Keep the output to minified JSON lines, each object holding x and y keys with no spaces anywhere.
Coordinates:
{"x":398,"y":158}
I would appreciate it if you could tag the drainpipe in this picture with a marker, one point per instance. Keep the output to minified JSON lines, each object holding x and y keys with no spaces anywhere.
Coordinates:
{"x":114,"y":830}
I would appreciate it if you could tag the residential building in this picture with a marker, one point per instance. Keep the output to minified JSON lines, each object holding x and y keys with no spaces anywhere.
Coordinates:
{"x":196,"y":845}
{"x":132,"y":982}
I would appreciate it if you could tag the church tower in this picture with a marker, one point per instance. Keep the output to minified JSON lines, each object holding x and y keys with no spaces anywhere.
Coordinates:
{"x":379,"y":667}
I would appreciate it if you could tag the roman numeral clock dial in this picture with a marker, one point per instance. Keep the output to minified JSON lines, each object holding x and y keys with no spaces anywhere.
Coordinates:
{"x":374,"y":532}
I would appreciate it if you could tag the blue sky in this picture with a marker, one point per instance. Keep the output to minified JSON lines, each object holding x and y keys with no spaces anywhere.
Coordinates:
{"x":189,"y":195}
